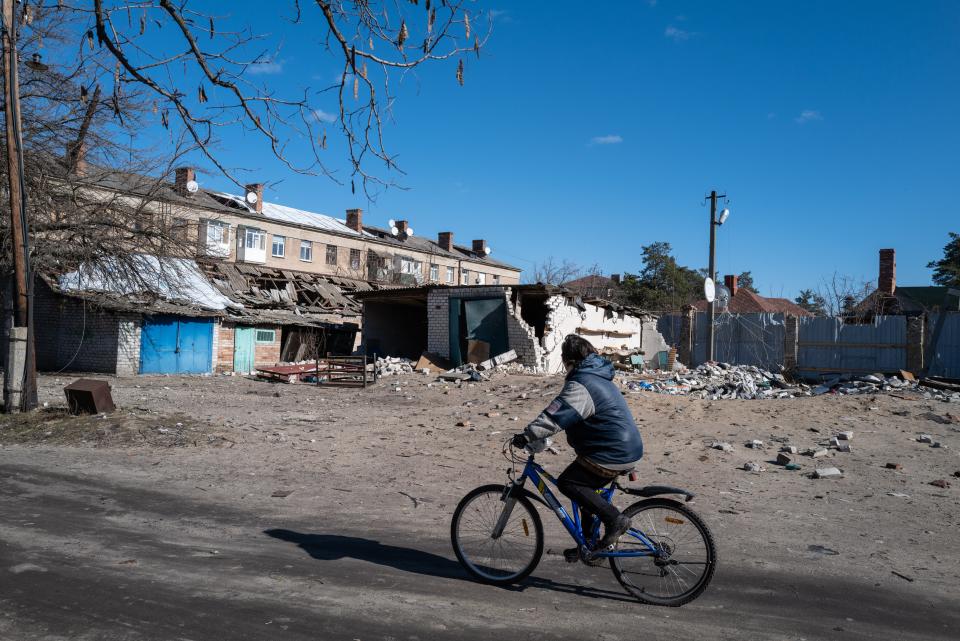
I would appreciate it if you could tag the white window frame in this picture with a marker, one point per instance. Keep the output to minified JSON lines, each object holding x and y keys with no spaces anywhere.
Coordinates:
{"x":336,"y":255}
{"x":356,"y":259}
{"x":496,"y":279}
{"x":451,"y":275}
{"x":221,"y":238}
{"x":434,"y":272}
{"x":308,"y":245}
{"x":281,"y":242}
{"x":250,"y":237}
{"x":464,"y":276}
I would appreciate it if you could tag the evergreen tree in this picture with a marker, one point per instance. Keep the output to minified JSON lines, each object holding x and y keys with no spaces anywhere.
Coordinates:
{"x":946,"y":271}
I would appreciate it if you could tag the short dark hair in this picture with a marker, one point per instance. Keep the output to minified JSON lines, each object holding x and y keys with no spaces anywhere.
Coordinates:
{"x":575,"y":349}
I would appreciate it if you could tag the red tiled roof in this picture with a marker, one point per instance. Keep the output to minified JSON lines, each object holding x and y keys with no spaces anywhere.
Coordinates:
{"x":746,"y":302}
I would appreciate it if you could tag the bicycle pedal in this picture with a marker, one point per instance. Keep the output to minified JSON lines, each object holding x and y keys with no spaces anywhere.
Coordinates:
{"x":571,"y":556}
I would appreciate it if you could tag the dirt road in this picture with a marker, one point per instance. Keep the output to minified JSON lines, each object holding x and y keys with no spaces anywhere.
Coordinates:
{"x":112,"y":532}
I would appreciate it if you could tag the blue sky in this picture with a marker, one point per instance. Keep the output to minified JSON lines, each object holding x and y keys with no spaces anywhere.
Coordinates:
{"x":586,"y":131}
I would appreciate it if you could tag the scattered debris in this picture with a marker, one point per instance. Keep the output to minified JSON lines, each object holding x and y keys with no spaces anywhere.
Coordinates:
{"x":827,"y":473}
{"x":281,"y":493}
{"x":941,"y":483}
{"x":756,"y":444}
{"x":902,"y":576}
{"x":893,"y":466}
{"x":845,"y":436}
{"x":783,"y":459}
{"x":753,"y":466}
{"x":816,"y":452}
{"x":792,"y":467}
{"x":393,"y":366}
{"x":789,"y":449}
{"x":899,"y":495}
{"x":721,"y":445}
{"x":925,"y":438}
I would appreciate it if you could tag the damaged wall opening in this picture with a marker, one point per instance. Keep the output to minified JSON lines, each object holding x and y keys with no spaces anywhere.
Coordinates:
{"x":534,"y":311}
{"x":478,"y":329}
{"x":400,"y":327}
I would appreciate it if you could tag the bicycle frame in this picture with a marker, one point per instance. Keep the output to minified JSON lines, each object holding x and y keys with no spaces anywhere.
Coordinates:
{"x":574,"y":527}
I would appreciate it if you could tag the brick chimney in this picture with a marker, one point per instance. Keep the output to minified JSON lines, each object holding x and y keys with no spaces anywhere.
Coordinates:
{"x":355,"y":220}
{"x":445,"y":240}
{"x":402,"y":227}
{"x":183,"y":176}
{"x":887,"y":283}
{"x":480,"y":247}
{"x":256,"y":188}
{"x":77,"y":158}
{"x":730,"y":282}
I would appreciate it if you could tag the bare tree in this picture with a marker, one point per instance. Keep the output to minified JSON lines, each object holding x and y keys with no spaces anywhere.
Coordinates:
{"x":554,"y":272}
{"x":842,"y":295}
{"x":372,"y":41}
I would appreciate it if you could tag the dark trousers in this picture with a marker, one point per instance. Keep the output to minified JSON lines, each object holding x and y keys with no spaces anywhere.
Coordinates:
{"x":580,"y":484}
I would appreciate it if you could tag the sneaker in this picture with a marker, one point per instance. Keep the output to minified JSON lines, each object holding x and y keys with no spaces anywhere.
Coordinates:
{"x":613,"y":534}
{"x":572,"y":555}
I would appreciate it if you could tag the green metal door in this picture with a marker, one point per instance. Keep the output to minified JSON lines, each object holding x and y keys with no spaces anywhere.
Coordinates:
{"x":244,"y":341}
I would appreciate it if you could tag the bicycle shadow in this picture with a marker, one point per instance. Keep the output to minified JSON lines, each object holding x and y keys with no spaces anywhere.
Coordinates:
{"x":333,"y":547}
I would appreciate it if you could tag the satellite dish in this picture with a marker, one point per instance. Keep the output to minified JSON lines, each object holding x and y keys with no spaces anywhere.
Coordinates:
{"x":252,"y":197}
{"x":709,"y":290}
{"x":193,"y":186}
{"x":723,"y":298}
{"x":394,"y":231}
{"x":391,"y":223}
{"x":409,"y":231}
{"x":487,"y":251}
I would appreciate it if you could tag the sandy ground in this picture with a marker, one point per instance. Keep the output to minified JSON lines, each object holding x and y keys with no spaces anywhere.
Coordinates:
{"x":394,"y":452}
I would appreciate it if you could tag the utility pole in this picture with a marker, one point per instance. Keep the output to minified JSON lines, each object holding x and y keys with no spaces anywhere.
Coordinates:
{"x":711,"y":305}
{"x":20,"y":378}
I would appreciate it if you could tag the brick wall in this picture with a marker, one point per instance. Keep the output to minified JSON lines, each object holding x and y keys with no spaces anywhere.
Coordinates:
{"x":223,"y":361}
{"x":264,"y":354}
{"x":73,"y":335}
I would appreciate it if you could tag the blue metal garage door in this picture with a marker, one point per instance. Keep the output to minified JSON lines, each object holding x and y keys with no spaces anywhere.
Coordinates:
{"x":176,"y":345}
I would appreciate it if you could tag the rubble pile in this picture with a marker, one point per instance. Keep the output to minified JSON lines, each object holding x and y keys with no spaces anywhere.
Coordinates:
{"x":393,"y":366}
{"x":723,"y":381}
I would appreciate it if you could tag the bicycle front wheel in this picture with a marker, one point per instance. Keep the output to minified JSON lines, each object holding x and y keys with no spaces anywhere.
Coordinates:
{"x":685,"y":558}
{"x":508,"y":558}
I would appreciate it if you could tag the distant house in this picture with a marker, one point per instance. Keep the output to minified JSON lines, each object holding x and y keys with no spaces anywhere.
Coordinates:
{"x":596,"y":286}
{"x":743,"y":301}
{"x":890,"y":299}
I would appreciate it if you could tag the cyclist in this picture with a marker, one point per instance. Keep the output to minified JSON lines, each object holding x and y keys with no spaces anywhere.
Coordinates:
{"x":600,"y":429}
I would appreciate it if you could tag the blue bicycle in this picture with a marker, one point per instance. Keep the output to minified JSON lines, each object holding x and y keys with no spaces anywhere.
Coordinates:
{"x":666,"y":558}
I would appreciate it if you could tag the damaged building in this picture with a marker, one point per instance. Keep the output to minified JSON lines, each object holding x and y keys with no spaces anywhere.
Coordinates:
{"x":473,"y":323}
{"x":265,"y":283}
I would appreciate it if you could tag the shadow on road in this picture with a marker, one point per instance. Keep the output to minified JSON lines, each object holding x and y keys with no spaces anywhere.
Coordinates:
{"x":331,"y":547}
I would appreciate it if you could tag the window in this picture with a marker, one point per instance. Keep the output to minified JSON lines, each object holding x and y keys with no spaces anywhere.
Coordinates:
{"x":496,"y":279}
{"x":481,"y":279}
{"x":434,"y":273}
{"x":306,"y":250}
{"x":218,"y":233}
{"x":464,"y":277}
{"x":354,"y":259}
{"x":331,"y":254}
{"x":266,"y":336}
{"x":279,"y":246}
{"x":451,"y":274}
{"x":254,"y":239}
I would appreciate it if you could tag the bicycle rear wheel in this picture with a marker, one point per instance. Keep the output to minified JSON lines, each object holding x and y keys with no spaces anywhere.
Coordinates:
{"x":686,"y":559}
{"x":508,"y":558}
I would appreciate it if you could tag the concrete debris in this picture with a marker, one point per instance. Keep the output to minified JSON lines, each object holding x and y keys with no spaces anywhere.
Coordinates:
{"x":789,"y":449}
{"x":816,"y":453}
{"x":941,"y":483}
{"x":393,"y":366}
{"x":925,"y":438}
{"x":756,"y":444}
{"x":724,"y":381}
{"x":827,"y":473}
{"x":893,"y":466}
{"x":720,"y":445}
{"x":783,"y":459}
{"x":845,"y":436}
{"x":753,"y":466}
